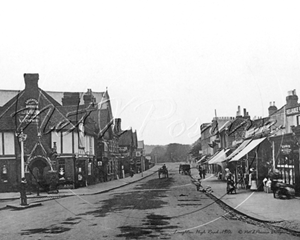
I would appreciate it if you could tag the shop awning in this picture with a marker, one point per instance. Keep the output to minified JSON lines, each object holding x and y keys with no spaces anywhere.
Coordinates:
{"x":248,"y":148}
{"x":202,"y":159}
{"x":211,"y":157}
{"x":238,"y":149}
{"x":220,"y":157}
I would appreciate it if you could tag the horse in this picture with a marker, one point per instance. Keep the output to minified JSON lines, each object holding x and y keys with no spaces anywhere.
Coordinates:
{"x":163,"y":171}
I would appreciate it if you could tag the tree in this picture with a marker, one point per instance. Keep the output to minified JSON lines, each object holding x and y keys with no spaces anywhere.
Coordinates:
{"x":177,"y":152}
{"x":158,"y":154}
{"x":195,"y":149}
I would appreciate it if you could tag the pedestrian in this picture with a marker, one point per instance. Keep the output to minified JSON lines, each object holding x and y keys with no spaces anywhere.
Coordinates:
{"x":200,"y":171}
{"x":275,"y":178}
{"x":230,"y":181}
{"x":23,"y":196}
{"x":203,"y":172}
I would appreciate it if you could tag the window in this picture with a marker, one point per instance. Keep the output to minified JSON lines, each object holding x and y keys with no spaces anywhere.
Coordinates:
{"x":76,"y":143}
{"x":1,"y":144}
{"x":298,"y":120}
{"x":9,"y":143}
{"x":56,"y":138}
{"x":67,"y":142}
{"x":92,"y":146}
{"x":61,"y":168}
{"x":90,"y":169}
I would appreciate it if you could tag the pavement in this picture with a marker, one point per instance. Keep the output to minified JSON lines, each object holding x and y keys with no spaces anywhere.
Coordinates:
{"x":257,"y":205}
{"x":99,"y":188}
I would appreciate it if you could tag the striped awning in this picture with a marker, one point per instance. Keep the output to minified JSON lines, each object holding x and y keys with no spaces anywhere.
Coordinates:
{"x":220,"y":157}
{"x":238,"y":149}
{"x":253,"y":144}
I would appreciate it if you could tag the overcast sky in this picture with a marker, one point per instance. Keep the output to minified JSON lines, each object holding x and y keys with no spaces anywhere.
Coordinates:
{"x":167,"y":64}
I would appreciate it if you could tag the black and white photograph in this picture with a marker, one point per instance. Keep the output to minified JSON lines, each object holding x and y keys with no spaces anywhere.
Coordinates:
{"x":154,"y":119}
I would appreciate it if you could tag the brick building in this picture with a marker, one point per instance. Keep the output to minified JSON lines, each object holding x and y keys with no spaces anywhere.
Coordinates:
{"x":64,"y":132}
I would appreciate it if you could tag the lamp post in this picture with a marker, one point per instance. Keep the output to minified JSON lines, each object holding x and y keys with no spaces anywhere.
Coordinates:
{"x":22,"y":138}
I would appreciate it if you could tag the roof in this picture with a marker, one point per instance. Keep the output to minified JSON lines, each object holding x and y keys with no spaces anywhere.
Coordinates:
{"x":55,"y":95}
{"x":141,"y":144}
{"x":15,"y":109}
{"x":126,"y":139}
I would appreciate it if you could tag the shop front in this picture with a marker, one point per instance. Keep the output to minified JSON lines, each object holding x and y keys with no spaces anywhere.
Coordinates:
{"x":286,"y":159}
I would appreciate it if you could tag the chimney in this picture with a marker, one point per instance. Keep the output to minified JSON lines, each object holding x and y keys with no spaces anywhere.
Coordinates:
{"x":89,"y":98}
{"x":272,"y":108}
{"x":31,"y":80}
{"x":291,"y":99}
{"x":71,"y":99}
{"x":117,"y":127}
{"x":238,"y":113}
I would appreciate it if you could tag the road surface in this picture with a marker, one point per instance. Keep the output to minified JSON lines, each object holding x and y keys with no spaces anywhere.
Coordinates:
{"x":166,"y":208}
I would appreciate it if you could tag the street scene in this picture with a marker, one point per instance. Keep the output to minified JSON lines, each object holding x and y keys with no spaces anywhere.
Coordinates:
{"x":149,"y":120}
{"x":150,"y":208}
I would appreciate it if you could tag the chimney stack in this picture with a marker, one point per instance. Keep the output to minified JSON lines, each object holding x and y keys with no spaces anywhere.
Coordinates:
{"x":117,"y":127}
{"x":238,"y":113}
{"x":272,"y":108}
{"x":71,"y":99}
{"x":31,"y":80}
{"x":292,"y":99}
{"x":88,"y":98}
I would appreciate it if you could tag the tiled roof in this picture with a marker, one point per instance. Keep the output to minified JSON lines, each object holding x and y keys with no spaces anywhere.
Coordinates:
{"x":55,"y":95}
{"x":9,"y":118}
{"x":126,"y":138}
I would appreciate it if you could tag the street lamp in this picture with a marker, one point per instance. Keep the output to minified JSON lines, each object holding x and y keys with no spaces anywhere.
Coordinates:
{"x":22,"y":137}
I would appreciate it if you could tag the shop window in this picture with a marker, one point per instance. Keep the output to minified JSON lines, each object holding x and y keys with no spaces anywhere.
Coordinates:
{"x":61,"y":169}
{"x":90,"y":169}
{"x":4,"y":173}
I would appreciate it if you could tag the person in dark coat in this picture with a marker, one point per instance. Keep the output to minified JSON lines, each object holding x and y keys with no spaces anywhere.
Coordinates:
{"x":203,"y":172}
{"x":274,"y":177}
{"x":200,"y":171}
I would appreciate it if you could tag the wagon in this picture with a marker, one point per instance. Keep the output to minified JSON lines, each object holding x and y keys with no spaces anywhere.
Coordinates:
{"x":185,"y":169}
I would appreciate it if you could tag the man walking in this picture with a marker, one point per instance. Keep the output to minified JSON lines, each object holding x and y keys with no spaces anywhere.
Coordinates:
{"x":203,"y":172}
{"x":200,"y":171}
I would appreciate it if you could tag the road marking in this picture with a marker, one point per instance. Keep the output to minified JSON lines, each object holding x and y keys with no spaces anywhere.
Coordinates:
{"x":81,"y":198}
{"x":202,"y":225}
{"x":244,"y":200}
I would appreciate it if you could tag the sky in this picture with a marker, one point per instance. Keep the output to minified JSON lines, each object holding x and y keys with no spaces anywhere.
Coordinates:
{"x":168,"y":65}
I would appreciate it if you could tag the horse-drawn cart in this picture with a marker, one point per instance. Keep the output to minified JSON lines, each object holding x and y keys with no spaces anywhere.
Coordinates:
{"x":164,"y":172}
